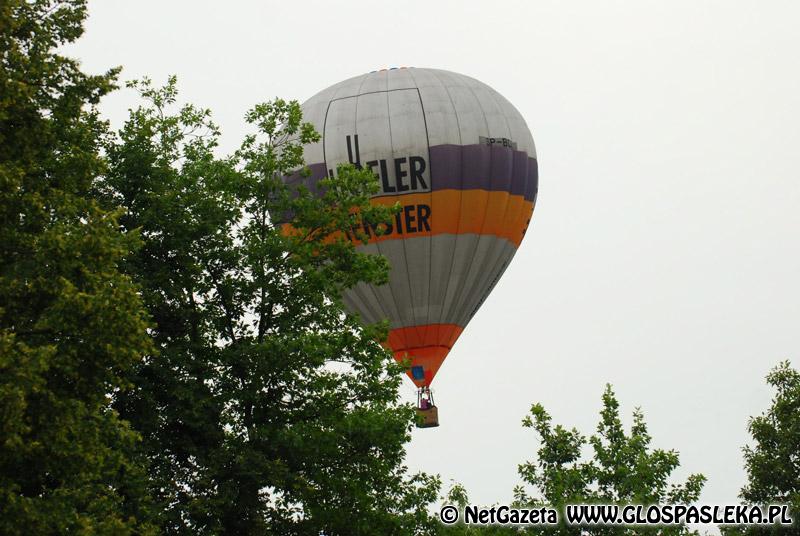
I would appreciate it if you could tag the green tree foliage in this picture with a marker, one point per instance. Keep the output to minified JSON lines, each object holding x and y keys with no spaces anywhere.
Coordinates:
{"x":71,"y":326}
{"x":623,"y":470}
{"x":266,"y":408}
{"x":773,"y":463}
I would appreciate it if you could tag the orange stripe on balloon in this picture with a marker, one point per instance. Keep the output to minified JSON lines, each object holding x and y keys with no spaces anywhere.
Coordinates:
{"x":482,"y":212}
{"x":435,"y":335}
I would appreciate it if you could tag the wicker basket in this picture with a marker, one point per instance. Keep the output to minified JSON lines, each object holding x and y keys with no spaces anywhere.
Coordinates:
{"x":427,"y":418}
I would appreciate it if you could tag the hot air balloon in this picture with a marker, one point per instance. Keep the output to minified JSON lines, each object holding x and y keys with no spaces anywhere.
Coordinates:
{"x":460,"y":160}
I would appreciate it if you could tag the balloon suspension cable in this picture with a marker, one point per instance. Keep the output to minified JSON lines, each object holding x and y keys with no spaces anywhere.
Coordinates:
{"x":424,"y":393}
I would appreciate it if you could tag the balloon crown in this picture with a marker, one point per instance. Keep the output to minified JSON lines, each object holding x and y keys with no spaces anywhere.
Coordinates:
{"x":390,"y":69}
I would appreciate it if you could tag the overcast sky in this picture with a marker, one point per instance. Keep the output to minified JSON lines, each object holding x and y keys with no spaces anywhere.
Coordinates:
{"x":663,"y":255}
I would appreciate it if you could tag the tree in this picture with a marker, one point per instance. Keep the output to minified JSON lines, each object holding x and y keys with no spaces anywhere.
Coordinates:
{"x":71,"y":325}
{"x":773,"y":463}
{"x":266,"y":408}
{"x":623,"y":469}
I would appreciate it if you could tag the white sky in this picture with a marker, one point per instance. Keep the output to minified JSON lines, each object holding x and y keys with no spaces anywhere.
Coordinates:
{"x":663,"y":254}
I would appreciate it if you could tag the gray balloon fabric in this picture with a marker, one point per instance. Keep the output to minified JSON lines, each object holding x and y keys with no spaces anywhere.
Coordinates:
{"x":461,"y":162}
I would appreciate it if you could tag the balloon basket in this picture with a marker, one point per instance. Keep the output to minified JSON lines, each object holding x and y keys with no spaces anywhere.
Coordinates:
{"x":427,"y":412}
{"x":427,"y":418}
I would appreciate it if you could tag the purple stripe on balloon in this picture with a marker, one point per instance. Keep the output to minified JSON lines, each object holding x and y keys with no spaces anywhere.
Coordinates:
{"x":532,"y":184}
{"x":476,"y":165}
{"x":519,"y":173}
{"x":502,"y":168}
{"x":317,"y":173}
{"x":462,"y":167}
{"x":483,"y":167}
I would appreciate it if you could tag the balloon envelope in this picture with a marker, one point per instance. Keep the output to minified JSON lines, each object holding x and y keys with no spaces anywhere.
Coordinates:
{"x":461,"y":162}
